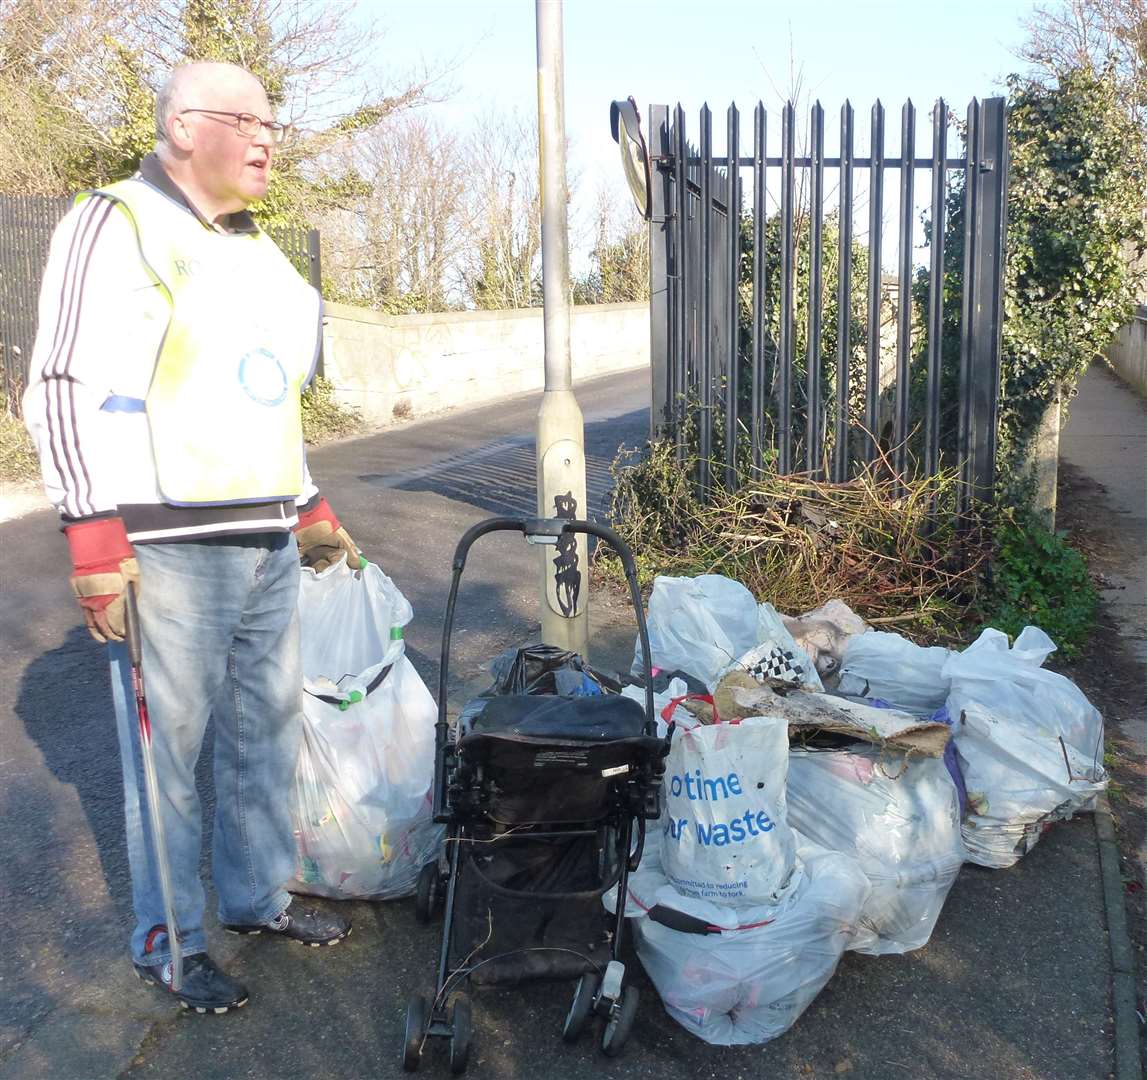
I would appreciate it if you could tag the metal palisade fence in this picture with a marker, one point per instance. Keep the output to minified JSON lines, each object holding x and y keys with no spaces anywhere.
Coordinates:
{"x":776,"y":329}
{"x":26,"y":226}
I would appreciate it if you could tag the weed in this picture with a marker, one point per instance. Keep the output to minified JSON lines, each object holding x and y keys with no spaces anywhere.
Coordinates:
{"x":1039,"y":579}
{"x":18,"y":460}
{"x":323,"y":417}
{"x":884,"y":548}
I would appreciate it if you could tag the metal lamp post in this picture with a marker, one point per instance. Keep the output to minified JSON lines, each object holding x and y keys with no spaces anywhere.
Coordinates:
{"x":561,"y":434}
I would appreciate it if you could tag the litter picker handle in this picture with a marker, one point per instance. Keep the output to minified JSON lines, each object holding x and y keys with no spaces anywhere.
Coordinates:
{"x":131,"y":626}
{"x":151,"y":785}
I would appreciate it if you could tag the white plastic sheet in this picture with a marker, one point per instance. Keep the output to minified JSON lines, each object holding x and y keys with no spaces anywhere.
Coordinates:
{"x":899,"y":816}
{"x":1029,"y":742}
{"x":727,"y":836}
{"x":361,"y":799}
{"x":749,"y":985}
{"x":896,"y":670}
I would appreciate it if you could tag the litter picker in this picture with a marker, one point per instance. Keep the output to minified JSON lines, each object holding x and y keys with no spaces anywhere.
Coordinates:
{"x":131,"y":613}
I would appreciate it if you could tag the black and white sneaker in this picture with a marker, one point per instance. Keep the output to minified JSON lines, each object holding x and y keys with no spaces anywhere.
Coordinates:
{"x":205,"y":989}
{"x":304,"y":925}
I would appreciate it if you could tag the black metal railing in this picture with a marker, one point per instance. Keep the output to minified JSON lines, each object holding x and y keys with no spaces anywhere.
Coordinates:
{"x":724,"y":342}
{"x":26,"y":226}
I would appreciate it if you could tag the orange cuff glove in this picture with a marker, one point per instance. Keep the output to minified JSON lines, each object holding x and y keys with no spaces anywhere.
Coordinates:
{"x":104,"y":563}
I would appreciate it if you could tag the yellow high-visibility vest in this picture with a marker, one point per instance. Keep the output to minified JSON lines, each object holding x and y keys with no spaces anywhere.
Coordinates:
{"x":223,"y":406}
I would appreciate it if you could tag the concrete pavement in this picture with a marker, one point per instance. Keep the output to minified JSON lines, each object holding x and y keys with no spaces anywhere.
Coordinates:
{"x":1103,"y":457}
{"x":1014,"y":983}
{"x":1105,"y":438}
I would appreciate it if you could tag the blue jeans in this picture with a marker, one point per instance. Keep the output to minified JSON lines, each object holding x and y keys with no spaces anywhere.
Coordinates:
{"x":219,"y":633}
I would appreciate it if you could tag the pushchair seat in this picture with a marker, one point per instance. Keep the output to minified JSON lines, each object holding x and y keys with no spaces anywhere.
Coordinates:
{"x":530,"y":746}
{"x":597,"y":718}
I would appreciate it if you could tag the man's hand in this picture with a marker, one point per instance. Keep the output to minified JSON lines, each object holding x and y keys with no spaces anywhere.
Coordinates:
{"x":322,"y":539}
{"x":104,"y":564}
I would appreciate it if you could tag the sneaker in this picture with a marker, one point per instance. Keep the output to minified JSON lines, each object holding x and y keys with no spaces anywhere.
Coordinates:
{"x":304,"y":925}
{"x":205,"y":988}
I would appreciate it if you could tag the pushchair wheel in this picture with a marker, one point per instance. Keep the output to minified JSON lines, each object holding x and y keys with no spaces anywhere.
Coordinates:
{"x":415,"y":1032}
{"x":581,"y":1008}
{"x":427,"y":892}
{"x":620,"y":1022}
{"x":459,"y":1035}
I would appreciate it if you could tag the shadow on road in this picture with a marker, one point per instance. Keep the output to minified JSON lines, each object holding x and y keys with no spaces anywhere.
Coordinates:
{"x":502,"y":478}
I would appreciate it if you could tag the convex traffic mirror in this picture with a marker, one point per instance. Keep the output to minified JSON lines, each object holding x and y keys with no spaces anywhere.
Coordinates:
{"x":625,"y":124}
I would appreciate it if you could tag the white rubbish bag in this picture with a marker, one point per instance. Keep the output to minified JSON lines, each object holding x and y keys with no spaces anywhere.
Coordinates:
{"x":751,"y":976}
{"x":896,"y":670}
{"x":362,"y":795}
{"x":1029,"y":742}
{"x":727,"y":838}
{"x":698,"y":625}
{"x":899,"y":816}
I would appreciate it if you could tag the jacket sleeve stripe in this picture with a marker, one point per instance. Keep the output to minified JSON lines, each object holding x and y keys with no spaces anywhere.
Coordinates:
{"x":62,"y":421}
{"x":55,"y":435}
{"x":68,"y":283}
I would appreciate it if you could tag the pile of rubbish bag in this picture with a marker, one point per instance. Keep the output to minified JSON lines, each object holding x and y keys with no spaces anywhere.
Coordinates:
{"x":825,"y":783}
{"x":361,"y":803}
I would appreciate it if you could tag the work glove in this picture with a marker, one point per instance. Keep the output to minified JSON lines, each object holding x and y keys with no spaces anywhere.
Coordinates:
{"x":322,"y":539}
{"x":104,"y":563}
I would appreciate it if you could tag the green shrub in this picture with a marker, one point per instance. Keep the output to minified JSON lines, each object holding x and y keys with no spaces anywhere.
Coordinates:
{"x":1039,"y":579}
{"x":323,"y":417}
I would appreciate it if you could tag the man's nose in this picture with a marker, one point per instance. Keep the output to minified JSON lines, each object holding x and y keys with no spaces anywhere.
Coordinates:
{"x":263,"y":138}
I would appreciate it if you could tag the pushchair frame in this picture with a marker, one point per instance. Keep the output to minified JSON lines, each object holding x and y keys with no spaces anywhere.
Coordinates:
{"x":633,"y":797}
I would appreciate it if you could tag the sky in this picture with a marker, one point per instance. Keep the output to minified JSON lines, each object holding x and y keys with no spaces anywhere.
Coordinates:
{"x":714,"y":51}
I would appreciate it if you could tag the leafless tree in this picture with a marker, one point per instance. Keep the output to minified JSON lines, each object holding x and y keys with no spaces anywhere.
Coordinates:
{"x":501,"y":267}
{"x":398,"y":247}
{"x":1096,"y":34}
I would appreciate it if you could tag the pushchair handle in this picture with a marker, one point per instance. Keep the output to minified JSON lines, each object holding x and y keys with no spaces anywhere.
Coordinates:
{"x":543,"y":531}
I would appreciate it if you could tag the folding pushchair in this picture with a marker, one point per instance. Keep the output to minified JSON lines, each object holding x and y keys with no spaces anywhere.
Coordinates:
{"x":545,"y":798}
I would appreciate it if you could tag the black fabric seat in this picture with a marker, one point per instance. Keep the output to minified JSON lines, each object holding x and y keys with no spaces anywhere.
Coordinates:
{"x":594,"y":719}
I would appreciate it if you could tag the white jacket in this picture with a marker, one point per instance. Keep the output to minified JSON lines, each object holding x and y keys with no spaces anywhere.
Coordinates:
{"x":101,"y":321}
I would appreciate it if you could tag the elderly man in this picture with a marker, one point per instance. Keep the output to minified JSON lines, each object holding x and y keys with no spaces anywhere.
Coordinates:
{"x":174,"y":342}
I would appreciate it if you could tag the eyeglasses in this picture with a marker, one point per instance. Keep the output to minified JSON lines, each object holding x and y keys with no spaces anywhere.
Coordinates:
{"x":248,"y":124}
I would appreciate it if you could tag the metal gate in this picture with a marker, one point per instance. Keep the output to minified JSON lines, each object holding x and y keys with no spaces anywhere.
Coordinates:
{"x":26,"y":226}
{"x":724,"y":332}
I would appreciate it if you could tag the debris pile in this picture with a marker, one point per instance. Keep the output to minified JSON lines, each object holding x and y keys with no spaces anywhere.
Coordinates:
{"x":825,"y":783}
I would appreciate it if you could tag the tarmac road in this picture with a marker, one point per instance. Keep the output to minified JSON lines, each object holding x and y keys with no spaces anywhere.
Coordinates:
{"x":1013,"y":984}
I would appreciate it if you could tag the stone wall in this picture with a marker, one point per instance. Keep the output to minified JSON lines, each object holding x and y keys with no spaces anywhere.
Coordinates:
{"x":397,"y":366}
{"x":1128,"y":354}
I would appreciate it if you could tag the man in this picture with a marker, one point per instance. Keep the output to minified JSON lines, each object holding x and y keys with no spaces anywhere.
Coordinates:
{"x":174,"y":342}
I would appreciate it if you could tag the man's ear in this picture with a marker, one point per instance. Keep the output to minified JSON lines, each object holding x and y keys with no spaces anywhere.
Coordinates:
{"x":180,"y":133}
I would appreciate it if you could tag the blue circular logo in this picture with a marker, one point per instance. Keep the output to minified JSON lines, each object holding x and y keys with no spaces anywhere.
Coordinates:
{"x":263,"y":378}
